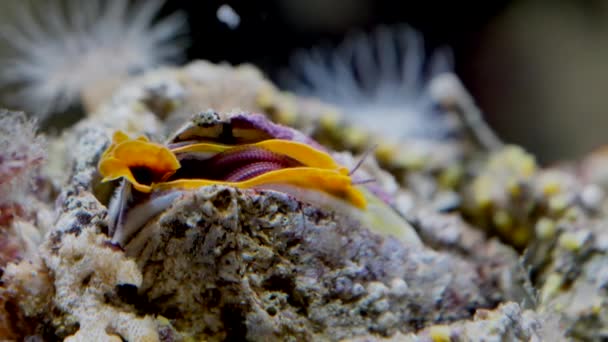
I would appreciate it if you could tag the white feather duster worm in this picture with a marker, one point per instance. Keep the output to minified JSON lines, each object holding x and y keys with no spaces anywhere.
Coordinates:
{"x":52,"y":51}
{"x":380,"y":80}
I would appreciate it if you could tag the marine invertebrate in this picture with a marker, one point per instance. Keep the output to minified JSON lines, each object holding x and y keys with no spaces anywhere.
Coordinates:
{"x":245,"y":152}
{"x":243,"y":166}
{"x":127,"y":157}
{"x":57,"y":51}
{"x":379,"y":79}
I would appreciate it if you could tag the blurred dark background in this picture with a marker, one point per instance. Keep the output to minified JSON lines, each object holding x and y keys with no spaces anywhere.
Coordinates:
{"x":538,"y":68}
{"x":270,"y":30}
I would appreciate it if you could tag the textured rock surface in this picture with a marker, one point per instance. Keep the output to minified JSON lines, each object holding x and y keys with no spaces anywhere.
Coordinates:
{"x":262,"y":265}
{"x":222,"y":263}
{"x":508,"y":322}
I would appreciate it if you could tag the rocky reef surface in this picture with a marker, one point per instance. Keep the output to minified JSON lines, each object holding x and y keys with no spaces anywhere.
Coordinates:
{"x":503,"y":249}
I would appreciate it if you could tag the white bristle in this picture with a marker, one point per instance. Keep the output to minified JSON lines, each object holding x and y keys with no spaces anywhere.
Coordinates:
{"x":52,"y":50}
{"x":379,"y":80}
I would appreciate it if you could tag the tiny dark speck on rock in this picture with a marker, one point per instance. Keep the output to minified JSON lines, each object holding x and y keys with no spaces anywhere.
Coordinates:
{"x":56,"y":237}
{"x":271,"y":310}
{"x":127,"y":292}
{"x":75,"y":229}
{"x":83,"y":218}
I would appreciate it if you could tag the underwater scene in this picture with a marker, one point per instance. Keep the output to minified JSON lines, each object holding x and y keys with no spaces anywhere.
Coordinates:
{"x":303,"y":171}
